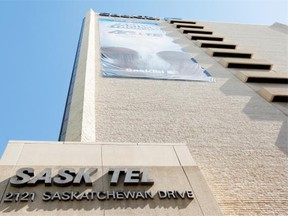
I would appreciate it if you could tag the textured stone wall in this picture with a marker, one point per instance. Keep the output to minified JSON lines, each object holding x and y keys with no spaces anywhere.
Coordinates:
{"x":237,"y":138}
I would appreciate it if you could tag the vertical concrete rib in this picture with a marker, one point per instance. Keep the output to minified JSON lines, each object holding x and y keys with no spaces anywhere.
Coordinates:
{"x":81,"y":120}
{"x":88,"y":121}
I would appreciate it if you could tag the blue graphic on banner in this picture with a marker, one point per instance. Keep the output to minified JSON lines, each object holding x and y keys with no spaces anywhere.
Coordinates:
{"x":142,"y":49}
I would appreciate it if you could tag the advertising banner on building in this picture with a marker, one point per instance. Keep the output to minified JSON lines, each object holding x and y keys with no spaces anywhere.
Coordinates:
{"x":140,"y":48}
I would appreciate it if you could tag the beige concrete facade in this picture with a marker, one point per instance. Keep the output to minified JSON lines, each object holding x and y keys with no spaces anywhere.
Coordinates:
{"x":236,"y":138}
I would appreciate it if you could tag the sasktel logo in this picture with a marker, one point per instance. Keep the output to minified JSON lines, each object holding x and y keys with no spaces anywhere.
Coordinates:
{"x":68,"y":176}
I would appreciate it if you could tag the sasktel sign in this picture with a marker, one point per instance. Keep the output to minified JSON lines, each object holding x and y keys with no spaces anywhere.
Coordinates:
{"x":25,"y":178}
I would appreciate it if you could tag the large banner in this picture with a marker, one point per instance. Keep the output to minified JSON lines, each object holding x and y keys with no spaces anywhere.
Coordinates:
{"x":142,"y":49}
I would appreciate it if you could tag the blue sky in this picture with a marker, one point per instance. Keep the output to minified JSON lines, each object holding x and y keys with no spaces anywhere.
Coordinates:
{"x":38,"y":42}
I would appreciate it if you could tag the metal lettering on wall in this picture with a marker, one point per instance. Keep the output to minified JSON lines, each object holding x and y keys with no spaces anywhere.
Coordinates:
{"x":128,"y":16}
{"x":69,"y":177}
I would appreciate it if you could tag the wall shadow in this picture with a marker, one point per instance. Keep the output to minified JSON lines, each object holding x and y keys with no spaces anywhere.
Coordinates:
{"x":234,"y":87}
{"x":257,"y":108}
{"x":282,"y":140}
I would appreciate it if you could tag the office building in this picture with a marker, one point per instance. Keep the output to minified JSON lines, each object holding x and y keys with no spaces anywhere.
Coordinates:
{"x":163,"y":117}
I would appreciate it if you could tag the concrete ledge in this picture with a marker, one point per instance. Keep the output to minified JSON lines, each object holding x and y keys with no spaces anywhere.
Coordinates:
{"x":187,"y":25}
{"x":197,"y":31}
{"x":245,"y":63}
{"x":204,"y":196}
{"x":184,"y":156}
{"x":139,"y":156}
{"x":97,"y":154}
{"x":100,"y":143}
{"x":194,"y":36}
{"x":181,"y":21}
{"x":25,"y":142}
{"x":215,"y":44}
{"x":231,"y":53}
{"x":263,"y":77}
{"x":12,"y":153}
{"x":163,"y":144}
{"x":274,"y":94}
{"x":80,"y":155}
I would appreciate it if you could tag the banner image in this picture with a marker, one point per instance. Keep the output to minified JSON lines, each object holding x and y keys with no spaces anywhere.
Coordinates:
{"x":141,"y":49}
